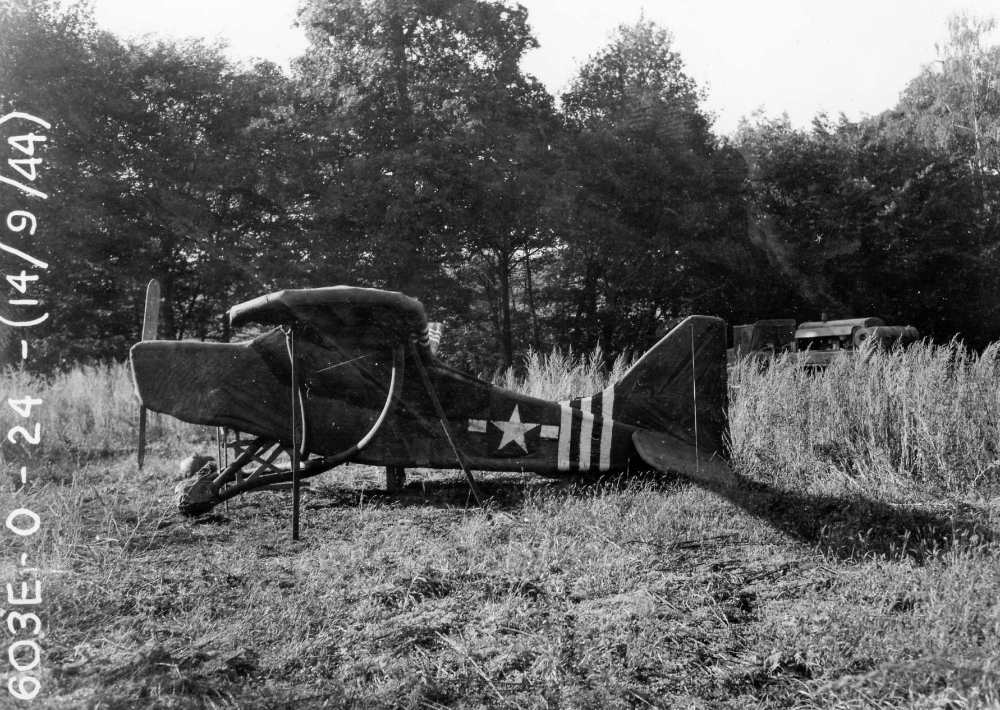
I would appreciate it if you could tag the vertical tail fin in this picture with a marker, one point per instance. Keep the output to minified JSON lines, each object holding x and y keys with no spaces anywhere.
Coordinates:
{"x":679,"y":388}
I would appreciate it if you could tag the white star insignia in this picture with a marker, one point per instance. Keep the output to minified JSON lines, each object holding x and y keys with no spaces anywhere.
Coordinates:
{"x":513,"y":430}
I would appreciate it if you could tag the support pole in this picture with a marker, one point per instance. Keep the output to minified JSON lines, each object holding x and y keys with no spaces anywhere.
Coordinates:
{"x":694,"y":406}
{"x":439,"y":411}
{"x":141,"y":455}
{"x":290,"y":344}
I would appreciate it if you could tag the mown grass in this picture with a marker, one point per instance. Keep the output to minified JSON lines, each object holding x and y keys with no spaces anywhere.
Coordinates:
{"x":856,"y":567}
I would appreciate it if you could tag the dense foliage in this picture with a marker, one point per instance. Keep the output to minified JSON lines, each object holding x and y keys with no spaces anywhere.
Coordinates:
{"x":408,"y":150}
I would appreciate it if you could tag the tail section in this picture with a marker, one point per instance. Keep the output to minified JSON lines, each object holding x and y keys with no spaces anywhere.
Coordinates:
{"x":679,"y":386}
{"x":673,"y":399}
{"x":675,"y":395}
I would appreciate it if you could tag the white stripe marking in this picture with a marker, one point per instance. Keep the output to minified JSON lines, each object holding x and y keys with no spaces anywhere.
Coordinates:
{"x":550,"y":431}
{"x":565,"y":427}
{"x":607,"y":412}
{"x":586,"y":429}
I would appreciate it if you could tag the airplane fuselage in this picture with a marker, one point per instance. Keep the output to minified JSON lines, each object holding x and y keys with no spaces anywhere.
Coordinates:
{"x":246,"y":387}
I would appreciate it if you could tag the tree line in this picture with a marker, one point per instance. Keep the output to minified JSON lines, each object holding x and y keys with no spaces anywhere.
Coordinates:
{"x":407,"y":149}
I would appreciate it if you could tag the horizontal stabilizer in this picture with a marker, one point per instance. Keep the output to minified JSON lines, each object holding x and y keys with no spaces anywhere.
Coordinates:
{"x":666,"y":452}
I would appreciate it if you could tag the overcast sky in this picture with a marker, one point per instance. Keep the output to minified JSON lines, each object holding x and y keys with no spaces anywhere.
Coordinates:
{"x":794,"y":56}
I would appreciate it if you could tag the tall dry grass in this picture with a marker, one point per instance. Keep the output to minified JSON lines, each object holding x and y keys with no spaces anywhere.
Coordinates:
{"x":927,"y":416}
{"x":560,"y":375}
{"x":90,"y":410}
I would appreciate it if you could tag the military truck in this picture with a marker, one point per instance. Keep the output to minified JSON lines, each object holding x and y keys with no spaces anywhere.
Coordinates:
{"x":817,"y":343}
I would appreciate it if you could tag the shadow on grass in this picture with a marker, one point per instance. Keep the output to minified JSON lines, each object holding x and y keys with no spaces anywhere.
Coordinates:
{"x":500,"y":492}
{"x":855,"y":527}
{"x":849,"y":527}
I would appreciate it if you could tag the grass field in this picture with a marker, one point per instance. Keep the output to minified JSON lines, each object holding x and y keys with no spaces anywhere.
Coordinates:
{"x":855,"y":567}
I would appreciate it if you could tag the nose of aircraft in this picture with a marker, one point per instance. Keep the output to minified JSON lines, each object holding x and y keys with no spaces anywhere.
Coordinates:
{"x":217,"y":384}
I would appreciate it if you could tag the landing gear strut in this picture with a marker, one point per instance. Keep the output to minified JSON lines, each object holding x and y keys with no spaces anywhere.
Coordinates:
{"x":211,"y":487}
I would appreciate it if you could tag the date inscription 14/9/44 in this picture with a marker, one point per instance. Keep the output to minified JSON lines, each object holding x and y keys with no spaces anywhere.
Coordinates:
{"x":25,"y":137}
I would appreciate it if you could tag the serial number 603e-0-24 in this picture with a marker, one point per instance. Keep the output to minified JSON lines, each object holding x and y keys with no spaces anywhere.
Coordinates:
{"x":24,"y":652}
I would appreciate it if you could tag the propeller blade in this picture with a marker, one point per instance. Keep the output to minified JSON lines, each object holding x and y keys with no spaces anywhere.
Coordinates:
{"x":151,"y":315}
{"x":150,"y":325}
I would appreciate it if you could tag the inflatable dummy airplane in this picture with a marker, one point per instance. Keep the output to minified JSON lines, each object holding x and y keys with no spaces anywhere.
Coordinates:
{"x":348,"y":374}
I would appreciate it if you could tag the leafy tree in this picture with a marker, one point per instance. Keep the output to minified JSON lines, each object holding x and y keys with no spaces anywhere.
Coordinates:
{"x":156,"y":159}
{"x":48,"y":69}
{"x":799,"y":214}
{"x":435,"y":142}
{"x":896,"y":215}
{"x":653,"y":216}
{"x":953,"y":107}
{"x":954,"y":104}
{"x":867,"y":221}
